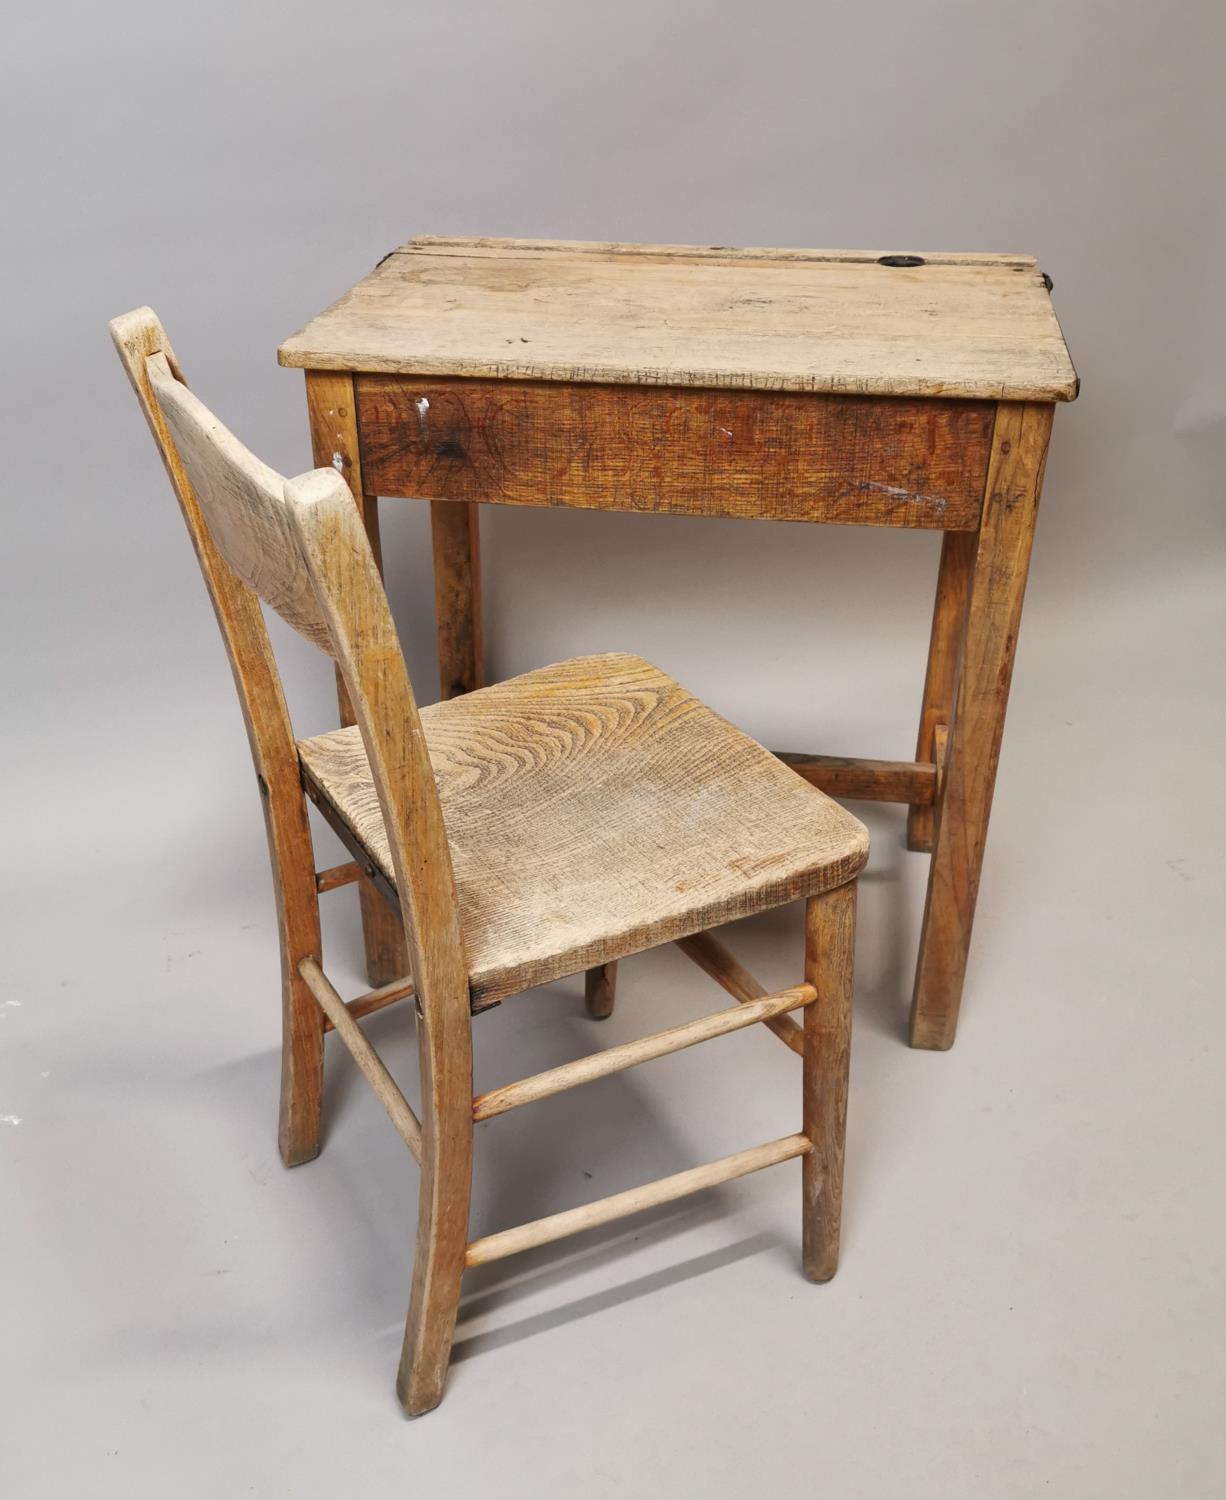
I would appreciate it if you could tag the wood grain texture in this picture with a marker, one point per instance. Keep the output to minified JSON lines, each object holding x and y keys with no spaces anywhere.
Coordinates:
{"x":816,"y":321}
{"x":830,"y":953}
{"x":977,"y":725}
{"x":944,"y":652}
{"x":368,"y":1060}
{"x":635,"y":1200}
{"x":242,"y":501}
{"x":332,"y":414}
{"x":456,"y":545}
{"x":595,"y":809}
{"x":864,"y":780}
{"x":600,"y":991}
{"x":350,"y":591}
{"x":642,"y":1049}
{"x":766,"y":456}
{"x":143,"y":348}
{"x":336,"y":876}
{"x":715,"y":960}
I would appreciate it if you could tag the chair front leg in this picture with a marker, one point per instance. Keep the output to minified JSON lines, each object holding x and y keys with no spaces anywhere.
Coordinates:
{"x":830,"y":946}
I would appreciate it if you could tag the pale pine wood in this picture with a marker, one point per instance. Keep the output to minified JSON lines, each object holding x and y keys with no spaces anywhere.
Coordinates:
{"x":830,"y":950}
{"x":144,"y":349}
{"x":456,"y":544}
{"x":595,"y":809}
{"x":368,"y":1060}
{"x":715,"y":960}
{"x":606,"y":1210}
{"x":816,"y":321}
{"x":954,"y":576}
{"x":865,"y":780}
{"x":642,"y":1049}
{"x":767,"y":455}
{"x":332,"y":414}
{"x":600,"y":991}
{"x":977,"y":725}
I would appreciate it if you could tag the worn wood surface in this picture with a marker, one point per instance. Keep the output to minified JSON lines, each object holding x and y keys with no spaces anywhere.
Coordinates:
{"x":379,"y":999}
{"x":556,"y":780}
{"x":455,"y":538}
{"x":643,"y":1049}
{"x":977,"y":725}
{"x":595,"y":808}
{"x":146,"y":353}
{"x":347,"y":582}
{"x":864,"y":780}
{"x":336,"y":876}
{"x":243,"y":503}
{"x":600,"y":991}
{"x":800,"y":320}
{"x":332,"y":413}
{"x":944,"y":650}
{"x":830,"y":952}
{"x":364,"y":1055}
{"x":768,"y":456}
{"x":635,"y":1200}
{"x":715,"y":960}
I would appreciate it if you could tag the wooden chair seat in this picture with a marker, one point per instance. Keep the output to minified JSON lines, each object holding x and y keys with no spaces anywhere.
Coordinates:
{"x":595,"y":809}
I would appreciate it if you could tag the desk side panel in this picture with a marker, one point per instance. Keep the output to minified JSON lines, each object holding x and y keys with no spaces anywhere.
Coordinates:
{"x":857,"y":460}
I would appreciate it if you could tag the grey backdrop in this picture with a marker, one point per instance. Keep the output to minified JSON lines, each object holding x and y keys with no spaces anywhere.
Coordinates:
{"x":238,"y":166}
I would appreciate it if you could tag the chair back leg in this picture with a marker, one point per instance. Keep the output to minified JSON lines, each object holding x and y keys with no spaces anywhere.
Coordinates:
{"x":600,"y":991}
{"x":444,"y":1044}
{"x":830,"y":947}
{"x":302,"y":1025}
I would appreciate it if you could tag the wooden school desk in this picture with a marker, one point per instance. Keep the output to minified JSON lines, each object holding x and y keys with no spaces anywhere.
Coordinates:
{"x":806,"y":385}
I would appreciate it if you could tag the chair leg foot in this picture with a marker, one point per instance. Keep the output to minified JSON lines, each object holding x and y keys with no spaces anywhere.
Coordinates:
{"x":600,"y":991}
{"x":442,"y":1237}
{"x":302,"y":1074}
{"x":830,"y":944}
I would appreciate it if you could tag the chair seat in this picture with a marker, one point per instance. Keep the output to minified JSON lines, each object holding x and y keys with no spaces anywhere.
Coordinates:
{"x":594,"y":809}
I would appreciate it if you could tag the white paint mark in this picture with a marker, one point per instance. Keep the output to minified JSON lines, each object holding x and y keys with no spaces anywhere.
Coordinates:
{"x":17,"y":1003}
{"x":46,"y":1073}
{"x":727,"y":431}
{"x":936,"y":501}
{"x":423,"y":416}
{"x":10,"y":1119}
{"x":338,"y":462}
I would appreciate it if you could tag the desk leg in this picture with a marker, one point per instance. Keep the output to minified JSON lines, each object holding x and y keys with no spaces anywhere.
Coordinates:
{"x":457,"y":596}
{"x":1015,"y":476}
{"x":334,"y":444}
{"x":944,"y":648}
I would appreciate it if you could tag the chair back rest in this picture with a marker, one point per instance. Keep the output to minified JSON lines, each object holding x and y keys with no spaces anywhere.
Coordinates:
{"x":300,"y":546}
{"x":244,"y":506}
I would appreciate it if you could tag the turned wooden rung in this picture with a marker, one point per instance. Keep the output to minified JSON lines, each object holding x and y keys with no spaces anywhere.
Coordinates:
{"x":620,"y":1205}
{"x":338,"y":875}
{"x":630,"y":1054}
{"x":706,"y":950}
{"x":373,"y":1000}
{"x":371,"y":1064}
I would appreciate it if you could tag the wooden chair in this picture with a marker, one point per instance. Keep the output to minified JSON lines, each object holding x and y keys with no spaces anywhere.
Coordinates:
{"x":550,"y":824}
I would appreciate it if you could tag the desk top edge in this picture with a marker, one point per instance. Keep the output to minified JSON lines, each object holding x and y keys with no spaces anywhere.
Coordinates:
{"x":1001,"y":337}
